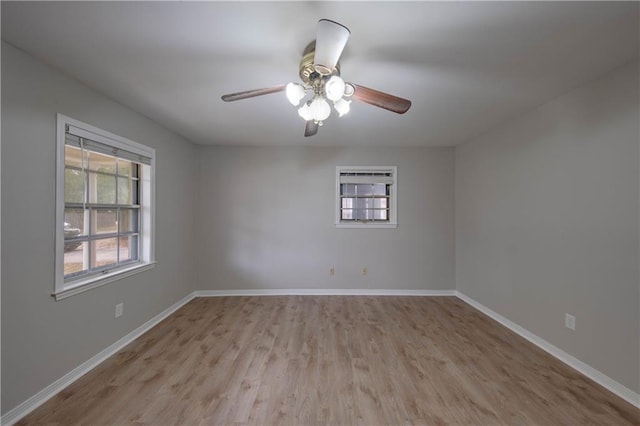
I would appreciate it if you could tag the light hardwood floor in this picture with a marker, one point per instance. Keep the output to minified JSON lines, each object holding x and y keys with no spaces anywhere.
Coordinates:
{"x":340,"y":360}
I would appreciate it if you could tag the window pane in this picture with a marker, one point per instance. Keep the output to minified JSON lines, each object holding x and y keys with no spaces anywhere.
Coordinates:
{"x":347,"y":203}
{"x":128,"y":248}
{"x":102,"y":188}
{"x":364,"y":203}
{"x":104,"y":221}
{"x":364,"y":214}
{"x":73,"y":186}
{"x":364,"y":189}
{"x":380,"y":203}
{"x":73,"y":223}
{"x":128,"y":220}
{"x":124,"y":167}
{"x":347,"y":214}
{"x":104,"y":252}
{"x":74,"y":257}
{"x":102,"y":163}
{"x":380,"y":189}
{"x":124,"y":191}
{"x":348,"y":189}
{"x":74,"y":157}
{"x":380,"y":215}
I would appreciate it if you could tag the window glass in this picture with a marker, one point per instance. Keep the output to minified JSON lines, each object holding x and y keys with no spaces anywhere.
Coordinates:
{"x":125,"y":167}
{"x":105,"y":188}
{"x":348,"y":189}
{"x":104,"y":252}
{"x":104,"y":221}
{"x":128,"y":248}
{"x":102,"y":163}
{"x":379,"y":189}
{"x":74,"y":255}
{"x":124,"y":191}
{"x":128,"y":221}
{"x":74,"y":223}
{"x":74,"y":181}
{"x":75,"y":157}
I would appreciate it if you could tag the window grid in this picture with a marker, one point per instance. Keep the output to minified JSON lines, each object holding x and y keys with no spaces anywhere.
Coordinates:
{"x":366,"y":211}
{"x":366,"y":196}
{"x":90,"y":236}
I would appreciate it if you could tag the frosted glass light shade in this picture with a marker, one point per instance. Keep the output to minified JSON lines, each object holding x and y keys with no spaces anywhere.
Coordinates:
{"x":320,"y":109}
{"x":349,"y":90}
{"x":342,"y":106}
{"x":295,"y":92}
{"x":305,"y":112}
{"x":334,"y":88}
{"x":330,"y":42}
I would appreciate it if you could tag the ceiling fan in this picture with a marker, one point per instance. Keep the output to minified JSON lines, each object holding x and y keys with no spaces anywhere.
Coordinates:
{"x":320,"y":75}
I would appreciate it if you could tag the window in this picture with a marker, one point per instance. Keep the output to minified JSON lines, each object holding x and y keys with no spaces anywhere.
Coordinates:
{"x":366,"y":197}
{"x":104,"y":207}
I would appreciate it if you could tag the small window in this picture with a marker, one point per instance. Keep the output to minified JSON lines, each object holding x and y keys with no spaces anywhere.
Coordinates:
{"x":104,"y":207}
{"x":366,"y":197}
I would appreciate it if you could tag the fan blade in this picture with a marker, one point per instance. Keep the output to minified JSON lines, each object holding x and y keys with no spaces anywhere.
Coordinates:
{"x":381,"y":99}
{"x":252,"y":93}
{"x":311,"y":128}
{"x":330,"y":42}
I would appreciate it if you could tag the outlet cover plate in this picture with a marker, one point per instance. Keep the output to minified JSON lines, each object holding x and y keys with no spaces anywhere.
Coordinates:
{"x":570,"y":321}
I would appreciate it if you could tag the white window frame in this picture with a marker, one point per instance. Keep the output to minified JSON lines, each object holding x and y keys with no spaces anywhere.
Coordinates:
{"x":64,"y":289}
{"x":393,"y":198}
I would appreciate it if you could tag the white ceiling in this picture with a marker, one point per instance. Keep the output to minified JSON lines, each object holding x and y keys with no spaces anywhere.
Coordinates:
{"x":467,"y":67}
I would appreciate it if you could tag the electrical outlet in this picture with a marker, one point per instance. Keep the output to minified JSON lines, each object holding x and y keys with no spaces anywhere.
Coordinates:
{"x":570,"y":321}
{"x":332,"y":271}
{"x":119,"y":309}
{"x":364,"y":271}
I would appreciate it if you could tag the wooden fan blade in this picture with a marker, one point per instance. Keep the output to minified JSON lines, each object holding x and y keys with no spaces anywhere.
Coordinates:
{"x":311,"y":128}
{"x":252,"y":93}
{"x":381,"y":99}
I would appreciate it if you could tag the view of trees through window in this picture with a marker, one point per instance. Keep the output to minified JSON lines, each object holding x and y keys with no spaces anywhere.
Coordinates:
{"x":101,"y":220}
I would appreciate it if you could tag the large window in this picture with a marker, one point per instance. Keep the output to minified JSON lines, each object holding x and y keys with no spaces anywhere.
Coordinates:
{"x":104,"y":207}
{"x":366,"y":196}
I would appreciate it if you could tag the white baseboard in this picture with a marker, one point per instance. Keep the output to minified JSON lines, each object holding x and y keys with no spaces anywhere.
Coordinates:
{"x":47,"y":393}
{"x":573,"y":362}
{"x":322,"y":292}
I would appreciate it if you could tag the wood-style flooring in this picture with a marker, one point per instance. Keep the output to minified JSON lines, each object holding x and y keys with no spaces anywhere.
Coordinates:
{"x":339,"y":360}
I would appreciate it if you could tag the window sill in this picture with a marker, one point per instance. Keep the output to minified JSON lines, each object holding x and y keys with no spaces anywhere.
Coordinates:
{"x":87,"y":284}
{"x":366,"y":225}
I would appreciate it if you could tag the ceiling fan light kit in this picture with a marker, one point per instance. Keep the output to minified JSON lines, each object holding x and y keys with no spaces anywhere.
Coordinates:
{"x":342,"y":106}
{"x":295,"y":93}
{"x":317,"y":108}
{"x":335,"y":88}
{"x":320,"y":75}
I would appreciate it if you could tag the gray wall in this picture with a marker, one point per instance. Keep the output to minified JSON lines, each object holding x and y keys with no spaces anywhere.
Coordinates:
{"x":547,"y":222}
{"x":266,"y":218}
{"x":43,"y":339}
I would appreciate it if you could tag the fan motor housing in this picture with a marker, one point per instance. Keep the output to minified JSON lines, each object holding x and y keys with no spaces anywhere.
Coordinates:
{"x":308,"y":72}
